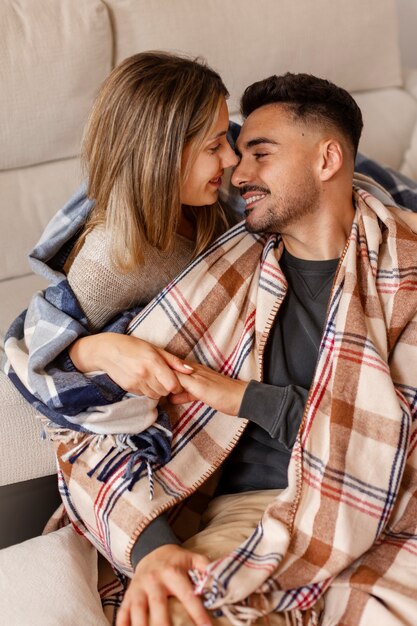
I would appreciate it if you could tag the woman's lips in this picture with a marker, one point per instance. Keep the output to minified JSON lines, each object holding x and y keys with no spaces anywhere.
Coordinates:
{"x":216,"y":182}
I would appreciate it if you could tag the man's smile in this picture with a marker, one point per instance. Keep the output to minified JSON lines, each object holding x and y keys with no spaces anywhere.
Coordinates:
{"x":252,"y":199}
{"x":252,"y":195}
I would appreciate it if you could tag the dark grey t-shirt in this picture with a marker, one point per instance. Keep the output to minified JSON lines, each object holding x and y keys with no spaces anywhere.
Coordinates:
{"x":276,"y":405}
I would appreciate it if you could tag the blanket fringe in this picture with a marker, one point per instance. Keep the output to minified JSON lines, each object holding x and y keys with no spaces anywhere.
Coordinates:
{"x":240,"y":615}
{"x":245,"y":615}
{"x":135,"y":453}
{"x":136,"y":461}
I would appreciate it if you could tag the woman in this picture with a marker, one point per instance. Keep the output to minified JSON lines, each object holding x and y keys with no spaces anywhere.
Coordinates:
{"x":154,"y":150}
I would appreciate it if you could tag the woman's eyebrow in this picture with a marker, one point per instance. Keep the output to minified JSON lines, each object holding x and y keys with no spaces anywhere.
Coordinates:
{"x":220,"y":134}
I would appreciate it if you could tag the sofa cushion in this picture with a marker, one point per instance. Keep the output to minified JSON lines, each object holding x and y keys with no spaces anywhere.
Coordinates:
{"x":54,"y":55}
{"x":30,"y":197}
{"x":14,"y":297}
{"x":50,"y":580}
{"x":355,"y":48}
{"x":409,"y":166}
{"x":390,"y":116}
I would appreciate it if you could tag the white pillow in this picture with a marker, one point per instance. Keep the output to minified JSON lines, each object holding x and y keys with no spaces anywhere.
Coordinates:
{"x":50,"y":580}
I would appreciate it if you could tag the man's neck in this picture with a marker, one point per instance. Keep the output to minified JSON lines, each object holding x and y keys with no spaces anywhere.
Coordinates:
{"x":323,"y":234}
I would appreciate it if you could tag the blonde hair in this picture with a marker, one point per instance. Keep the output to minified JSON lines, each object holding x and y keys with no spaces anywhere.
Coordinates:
{"x":148,"y":109}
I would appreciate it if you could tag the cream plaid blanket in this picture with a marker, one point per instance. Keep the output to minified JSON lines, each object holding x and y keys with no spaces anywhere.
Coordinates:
{"x":345,"y":528}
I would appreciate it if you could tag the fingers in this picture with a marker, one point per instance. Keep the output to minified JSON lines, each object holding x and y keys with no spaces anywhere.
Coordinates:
{"x":180,"y":586}
{"x":154,"y":379}
{"x":158,"y":608}
{"x":157,"y":386}
{"x":158,"y":379}
{"x":138,"y":366}
{"x":163,"y":380}
{"x":141,"y":608}
{"x":199,"y":561}
{"x":176,"y":363}
{"x":167,"y":378}
{"x":214,"y":389}
{"x":123,"y":615}
{"x":181,"y":398}
{"x":136,"y":612}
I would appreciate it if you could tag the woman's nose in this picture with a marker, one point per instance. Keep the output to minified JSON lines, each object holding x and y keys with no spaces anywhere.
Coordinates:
{"x":229,"y":158}
{"x":238,"y":177}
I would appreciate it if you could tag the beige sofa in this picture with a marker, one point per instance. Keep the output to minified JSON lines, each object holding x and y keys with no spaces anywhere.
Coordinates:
{"x":56,"y":53}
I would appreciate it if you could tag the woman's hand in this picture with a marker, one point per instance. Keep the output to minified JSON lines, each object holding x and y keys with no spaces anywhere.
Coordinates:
{"x":135,"y":365}
{"x":217,"y":390}
{"x":159,"y":575}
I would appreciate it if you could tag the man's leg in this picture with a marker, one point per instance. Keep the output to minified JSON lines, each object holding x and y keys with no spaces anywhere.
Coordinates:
{"x":228,"y":522}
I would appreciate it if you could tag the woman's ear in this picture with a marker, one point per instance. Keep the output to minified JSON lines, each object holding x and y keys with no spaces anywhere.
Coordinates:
{"x":331,"y":159}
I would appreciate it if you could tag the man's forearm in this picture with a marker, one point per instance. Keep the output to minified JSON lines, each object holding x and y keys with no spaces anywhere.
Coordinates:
{"x":157,"y":534}
{"x":277,"y":410}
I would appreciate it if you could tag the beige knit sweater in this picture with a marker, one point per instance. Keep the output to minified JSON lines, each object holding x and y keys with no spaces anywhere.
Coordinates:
{"x":103,"y":291}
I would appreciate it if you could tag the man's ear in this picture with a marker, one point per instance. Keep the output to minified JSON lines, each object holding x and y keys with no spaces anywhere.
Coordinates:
{"x":330,"y":159}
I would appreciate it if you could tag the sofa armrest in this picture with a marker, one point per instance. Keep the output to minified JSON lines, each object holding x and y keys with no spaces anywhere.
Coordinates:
{"x":24,"y":454}
{"x":28,"y":482}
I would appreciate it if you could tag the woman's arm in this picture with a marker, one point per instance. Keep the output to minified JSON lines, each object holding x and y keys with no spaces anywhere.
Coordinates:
{"x":135,"y":365}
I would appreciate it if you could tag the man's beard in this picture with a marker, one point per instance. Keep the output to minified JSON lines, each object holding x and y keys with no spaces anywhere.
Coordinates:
{"x":283,"y":212}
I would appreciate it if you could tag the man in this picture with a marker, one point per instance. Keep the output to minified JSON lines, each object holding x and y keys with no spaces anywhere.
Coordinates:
{"x":297,"y":150}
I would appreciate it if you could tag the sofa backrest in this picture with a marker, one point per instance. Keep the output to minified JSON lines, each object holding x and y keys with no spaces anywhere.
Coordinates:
{"x":245,"y":41}
{"x":54,"y":56}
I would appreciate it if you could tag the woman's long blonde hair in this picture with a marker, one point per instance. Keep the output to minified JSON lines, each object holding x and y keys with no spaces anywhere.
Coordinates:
{"x":150,"y":107}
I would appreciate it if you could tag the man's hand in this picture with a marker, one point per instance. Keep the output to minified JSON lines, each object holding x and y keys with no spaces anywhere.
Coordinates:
{"x":217,"y":390}
{"x":135,"y":365}
{"x":159,"y":575}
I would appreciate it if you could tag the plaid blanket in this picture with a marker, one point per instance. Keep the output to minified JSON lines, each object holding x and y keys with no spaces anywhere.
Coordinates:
{"x":347,"y":523}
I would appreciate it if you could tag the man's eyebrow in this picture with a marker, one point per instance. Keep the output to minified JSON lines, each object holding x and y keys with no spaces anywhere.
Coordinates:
{"x":256,"y":142}
{"x":259,"y":140}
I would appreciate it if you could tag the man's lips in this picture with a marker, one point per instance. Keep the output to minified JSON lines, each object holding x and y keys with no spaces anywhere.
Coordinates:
{"x":252,"y":197}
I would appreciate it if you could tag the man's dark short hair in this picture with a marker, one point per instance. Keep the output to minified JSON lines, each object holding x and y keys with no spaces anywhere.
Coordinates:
{"x":308,"y":98}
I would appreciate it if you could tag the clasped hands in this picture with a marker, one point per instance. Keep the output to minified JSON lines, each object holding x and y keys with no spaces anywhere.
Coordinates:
{"x":141,"y":368}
